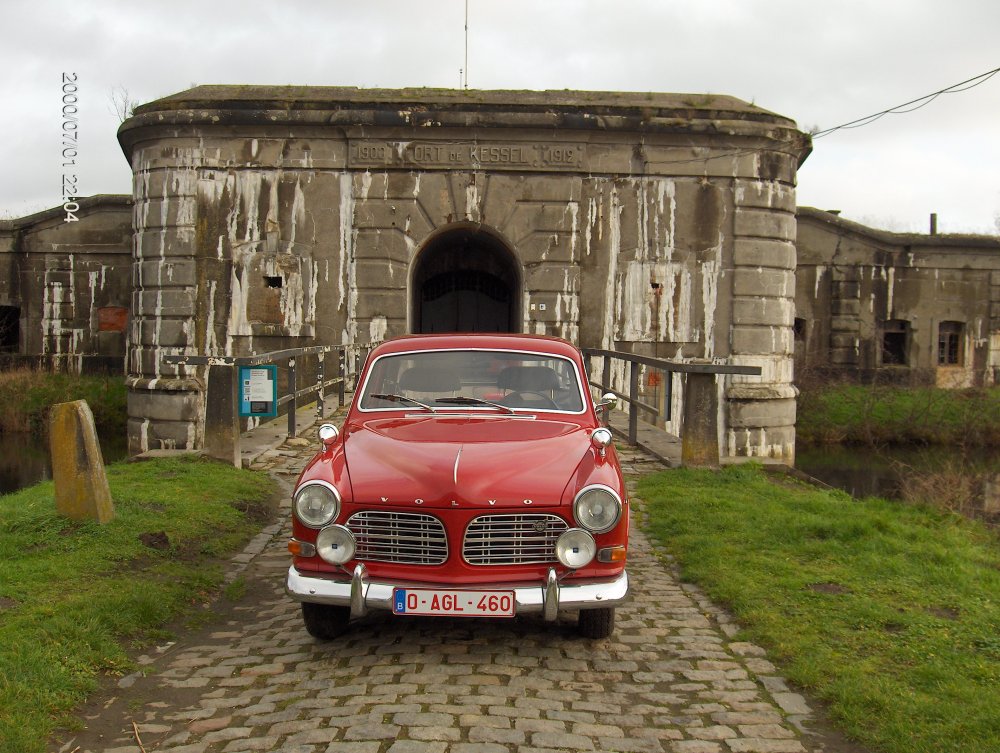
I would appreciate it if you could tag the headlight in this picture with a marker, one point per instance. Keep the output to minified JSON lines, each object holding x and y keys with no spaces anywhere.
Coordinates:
{"x":597,"y":508}
{"x":336,"y":545}
{"x":575,"y":548}
{"x":316,"y":503}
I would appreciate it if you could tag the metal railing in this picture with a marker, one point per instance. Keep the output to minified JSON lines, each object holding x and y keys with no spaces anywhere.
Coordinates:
{"x":668,"y":367}
{"x":349,"y":361}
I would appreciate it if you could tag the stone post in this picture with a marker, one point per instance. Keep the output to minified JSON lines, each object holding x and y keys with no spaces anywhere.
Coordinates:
{"x":77,"y":465}
{"x":222,"y":423}
{"x":700,"y":422}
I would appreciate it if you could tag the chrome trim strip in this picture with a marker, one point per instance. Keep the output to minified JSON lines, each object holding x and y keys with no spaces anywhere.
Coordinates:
{"x":377,"y":595}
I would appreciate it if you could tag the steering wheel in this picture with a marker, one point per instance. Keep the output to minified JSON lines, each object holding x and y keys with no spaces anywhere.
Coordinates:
{"x":516,"y":396}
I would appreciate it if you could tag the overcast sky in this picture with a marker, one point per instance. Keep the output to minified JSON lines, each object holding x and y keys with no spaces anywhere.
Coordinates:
{"x":820,"y":63}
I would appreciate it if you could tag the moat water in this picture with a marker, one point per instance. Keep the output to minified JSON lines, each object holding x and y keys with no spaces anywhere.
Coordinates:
{"x":25,"y":459}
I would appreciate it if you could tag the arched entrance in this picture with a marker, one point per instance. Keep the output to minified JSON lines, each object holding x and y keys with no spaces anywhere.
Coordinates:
{"x":466,"y":280}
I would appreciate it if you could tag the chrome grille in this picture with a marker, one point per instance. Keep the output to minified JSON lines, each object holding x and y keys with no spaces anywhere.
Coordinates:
{"x":512,"y":539}
{"x":399,"y":537}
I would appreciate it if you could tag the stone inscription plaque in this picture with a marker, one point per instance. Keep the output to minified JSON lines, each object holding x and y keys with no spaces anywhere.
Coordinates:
{"x":429,"y":154}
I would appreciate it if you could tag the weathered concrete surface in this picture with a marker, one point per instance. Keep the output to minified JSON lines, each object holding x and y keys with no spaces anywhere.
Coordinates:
{"x":672,"y":679}
{"x":81,"y":484}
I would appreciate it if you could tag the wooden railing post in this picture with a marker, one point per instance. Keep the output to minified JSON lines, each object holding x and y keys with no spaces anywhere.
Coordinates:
{"x":342,"y":374}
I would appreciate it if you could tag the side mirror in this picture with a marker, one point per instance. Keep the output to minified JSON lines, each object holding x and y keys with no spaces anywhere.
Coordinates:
{"x":608,"y":400}
{"x":328,"y":434}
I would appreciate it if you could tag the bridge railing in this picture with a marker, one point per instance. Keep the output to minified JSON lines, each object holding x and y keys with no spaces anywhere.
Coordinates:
{"x":308,"y":371}
{"x":699,"y":422}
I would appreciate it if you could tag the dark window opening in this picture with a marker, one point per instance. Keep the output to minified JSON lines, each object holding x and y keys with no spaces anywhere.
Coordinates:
{"x":799,"y":329}
{"x":949,"y":343}
{"x":10,"y":329}
{"x":895,"y":334}
{"x":273,"y":282}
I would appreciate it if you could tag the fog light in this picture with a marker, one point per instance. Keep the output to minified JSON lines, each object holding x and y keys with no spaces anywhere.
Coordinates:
{"x":336,"y":545}
{"x":575,"y":548}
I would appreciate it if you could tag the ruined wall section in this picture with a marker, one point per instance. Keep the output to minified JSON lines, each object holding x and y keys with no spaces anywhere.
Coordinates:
{"x":70,"y":281}
{"x":875,"y":277}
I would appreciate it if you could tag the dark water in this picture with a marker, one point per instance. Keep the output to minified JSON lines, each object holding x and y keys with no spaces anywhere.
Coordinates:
{"x":946,"y":474}
{"x":24,"y":459}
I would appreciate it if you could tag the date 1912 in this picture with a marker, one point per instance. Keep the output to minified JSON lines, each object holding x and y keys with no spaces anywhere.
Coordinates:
{"x":70,"y":145}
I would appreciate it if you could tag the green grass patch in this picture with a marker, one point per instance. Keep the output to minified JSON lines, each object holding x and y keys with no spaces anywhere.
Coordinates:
{"x":75,"y":596}
{"x":27,"y":395}
{"x":884,"y":414}
{"x":887,"y":611}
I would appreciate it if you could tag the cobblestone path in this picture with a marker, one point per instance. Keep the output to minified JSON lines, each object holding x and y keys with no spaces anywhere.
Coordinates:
{"x":671,"y":678}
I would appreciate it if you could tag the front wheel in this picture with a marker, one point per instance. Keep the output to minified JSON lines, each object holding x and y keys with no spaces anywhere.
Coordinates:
{"x":324,"y":621}
{"x":597,"y":623}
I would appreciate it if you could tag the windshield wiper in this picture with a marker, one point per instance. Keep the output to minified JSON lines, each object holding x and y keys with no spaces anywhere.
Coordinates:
{"x":403,"y":399}
{"x":460,"y":400}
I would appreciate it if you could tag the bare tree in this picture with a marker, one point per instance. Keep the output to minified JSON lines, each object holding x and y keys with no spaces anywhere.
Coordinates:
{"x":122,"y":103}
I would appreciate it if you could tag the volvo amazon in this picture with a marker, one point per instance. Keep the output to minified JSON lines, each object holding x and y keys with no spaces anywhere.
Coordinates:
{"x":471,"y":478}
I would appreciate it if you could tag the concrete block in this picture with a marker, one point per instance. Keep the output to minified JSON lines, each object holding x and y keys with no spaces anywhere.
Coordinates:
{"x":770,"y":282}
{"x":82,"y":491}
{"x":764,"y":311}
{"x":761,"y":223}
{"x":761,"y":252}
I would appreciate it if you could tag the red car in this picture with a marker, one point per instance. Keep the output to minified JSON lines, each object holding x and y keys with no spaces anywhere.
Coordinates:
{"x":472,"y":478}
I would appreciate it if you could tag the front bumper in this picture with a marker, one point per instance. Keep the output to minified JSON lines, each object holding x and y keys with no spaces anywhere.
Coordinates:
{"x":362,"y":594}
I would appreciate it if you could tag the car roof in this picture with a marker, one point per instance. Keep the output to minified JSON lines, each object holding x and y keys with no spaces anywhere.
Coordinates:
{"x":478,"y":340}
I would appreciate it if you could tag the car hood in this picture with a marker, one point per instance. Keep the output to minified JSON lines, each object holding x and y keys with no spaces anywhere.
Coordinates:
{"x":490,"y":463}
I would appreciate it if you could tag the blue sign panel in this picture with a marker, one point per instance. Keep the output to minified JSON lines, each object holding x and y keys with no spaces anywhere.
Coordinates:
{"x":259,"y":391}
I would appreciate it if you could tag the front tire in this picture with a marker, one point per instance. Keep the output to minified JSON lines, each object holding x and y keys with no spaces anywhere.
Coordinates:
{"x":597,"y":623}
{"x":324,"y":621}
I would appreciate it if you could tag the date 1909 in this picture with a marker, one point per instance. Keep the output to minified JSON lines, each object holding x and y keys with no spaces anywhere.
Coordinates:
{"x":70,"y":145}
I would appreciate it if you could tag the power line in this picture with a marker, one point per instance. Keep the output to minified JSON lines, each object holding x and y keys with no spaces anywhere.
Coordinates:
{"x":912,"y":105}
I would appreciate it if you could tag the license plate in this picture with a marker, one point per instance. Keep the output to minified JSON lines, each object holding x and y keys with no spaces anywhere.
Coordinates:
{"x":448,"y":603}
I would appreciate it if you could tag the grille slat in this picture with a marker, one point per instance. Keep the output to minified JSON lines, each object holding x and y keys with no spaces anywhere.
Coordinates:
{"x":403,"y":537}
{"x":512,"y":539}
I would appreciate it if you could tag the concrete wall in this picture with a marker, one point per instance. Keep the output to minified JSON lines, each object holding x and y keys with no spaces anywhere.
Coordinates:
{"x":663,"y":224}
{"x":852,"y":281}
{"x":71,"y":282}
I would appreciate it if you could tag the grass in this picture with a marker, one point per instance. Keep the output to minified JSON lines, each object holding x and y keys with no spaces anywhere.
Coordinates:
{"x":27,"y":395}
{"x":76,"y":596}
{"x":888,"y":612}
{"x":884,"y":414}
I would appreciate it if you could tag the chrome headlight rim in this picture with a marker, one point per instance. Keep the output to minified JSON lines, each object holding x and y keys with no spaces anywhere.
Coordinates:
{"x":580,"y":521}
{"x":334,"y":509}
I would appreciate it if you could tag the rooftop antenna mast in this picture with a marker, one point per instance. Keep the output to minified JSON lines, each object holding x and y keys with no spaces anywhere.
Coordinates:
{"x":466,"y":69}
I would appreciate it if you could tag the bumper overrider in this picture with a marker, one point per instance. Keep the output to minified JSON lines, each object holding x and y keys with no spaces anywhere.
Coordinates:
{"x":362,"y":594}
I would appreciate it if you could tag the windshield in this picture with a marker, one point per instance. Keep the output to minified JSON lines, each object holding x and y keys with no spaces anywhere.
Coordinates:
{"x":492,"y":381}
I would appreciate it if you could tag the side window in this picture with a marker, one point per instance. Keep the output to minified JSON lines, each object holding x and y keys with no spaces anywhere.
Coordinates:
{"x":950,"y":343}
